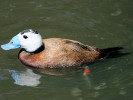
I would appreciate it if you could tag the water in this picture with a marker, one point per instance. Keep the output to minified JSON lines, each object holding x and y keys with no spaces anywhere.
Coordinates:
{"x":101,"y":23}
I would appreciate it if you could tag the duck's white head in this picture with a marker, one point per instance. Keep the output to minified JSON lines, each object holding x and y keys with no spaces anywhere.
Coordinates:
{"x":30,"y":40}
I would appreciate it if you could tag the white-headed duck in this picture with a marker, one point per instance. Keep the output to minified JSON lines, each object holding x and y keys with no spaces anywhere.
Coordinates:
{"x":52,"y":52}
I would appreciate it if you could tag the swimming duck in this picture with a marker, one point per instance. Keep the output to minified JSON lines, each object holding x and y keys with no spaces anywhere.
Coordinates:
{"x":52,"y":52}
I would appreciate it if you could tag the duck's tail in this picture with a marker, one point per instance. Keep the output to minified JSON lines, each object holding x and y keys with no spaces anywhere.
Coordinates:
{"x":113,"y":52}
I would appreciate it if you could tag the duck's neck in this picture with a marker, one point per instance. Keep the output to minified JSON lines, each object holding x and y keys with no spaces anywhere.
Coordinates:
{"x":38,"y":50}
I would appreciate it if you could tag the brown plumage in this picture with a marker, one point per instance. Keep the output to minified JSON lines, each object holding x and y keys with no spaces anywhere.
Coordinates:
{"x":60,"y":53}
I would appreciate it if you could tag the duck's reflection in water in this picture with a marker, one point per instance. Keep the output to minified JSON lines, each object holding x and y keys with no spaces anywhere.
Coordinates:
{"x":57,"y":71}
{"x":26,"y":78}
{"x":29,"y":78}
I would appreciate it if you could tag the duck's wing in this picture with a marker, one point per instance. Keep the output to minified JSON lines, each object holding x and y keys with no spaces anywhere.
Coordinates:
{"x":75,"y":45}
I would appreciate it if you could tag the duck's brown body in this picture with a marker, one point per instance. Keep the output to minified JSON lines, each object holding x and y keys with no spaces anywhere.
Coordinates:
{"x":60,"y":53}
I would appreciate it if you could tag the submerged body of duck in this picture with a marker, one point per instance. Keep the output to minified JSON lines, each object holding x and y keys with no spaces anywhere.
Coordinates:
{"x":59,"y":53}
{"x":52,"y":52}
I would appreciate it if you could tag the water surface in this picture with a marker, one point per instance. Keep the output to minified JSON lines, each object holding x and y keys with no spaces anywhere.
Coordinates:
{"x":100,"y":23}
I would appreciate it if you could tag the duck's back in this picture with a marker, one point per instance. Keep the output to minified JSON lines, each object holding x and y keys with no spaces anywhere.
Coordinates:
{"x":61,"y":53}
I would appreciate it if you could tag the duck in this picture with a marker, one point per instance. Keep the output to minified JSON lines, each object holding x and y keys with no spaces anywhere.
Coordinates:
{"x":52,"y":52}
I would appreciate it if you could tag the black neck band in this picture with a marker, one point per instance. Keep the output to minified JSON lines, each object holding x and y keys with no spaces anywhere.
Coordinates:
{"x":40,"y":49}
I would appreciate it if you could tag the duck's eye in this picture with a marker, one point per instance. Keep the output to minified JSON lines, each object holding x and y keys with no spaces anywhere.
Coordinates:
{"x":25,"y":37}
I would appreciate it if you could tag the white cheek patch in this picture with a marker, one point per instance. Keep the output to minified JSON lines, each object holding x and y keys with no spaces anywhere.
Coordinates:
{"x":31,"y":43}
